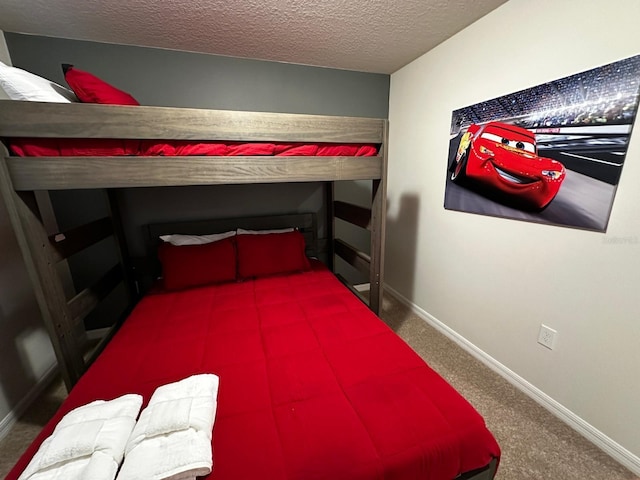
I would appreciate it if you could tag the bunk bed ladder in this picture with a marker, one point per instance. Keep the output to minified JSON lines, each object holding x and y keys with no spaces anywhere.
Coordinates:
{"x":43,"y":253}
{"x":31,"y":237}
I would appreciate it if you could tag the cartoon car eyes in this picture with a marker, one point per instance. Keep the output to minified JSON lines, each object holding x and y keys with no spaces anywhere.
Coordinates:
{"x":553,"y":174}
{"x":519,"y":144}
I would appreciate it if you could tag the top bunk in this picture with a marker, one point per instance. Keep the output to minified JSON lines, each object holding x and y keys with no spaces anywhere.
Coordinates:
{"x":38,"y":120}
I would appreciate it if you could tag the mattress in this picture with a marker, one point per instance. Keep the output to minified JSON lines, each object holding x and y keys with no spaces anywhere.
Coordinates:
{"x":312,"y":384}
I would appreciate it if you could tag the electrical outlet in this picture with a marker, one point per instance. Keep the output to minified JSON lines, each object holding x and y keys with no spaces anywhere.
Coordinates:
{"x":547,"y":337}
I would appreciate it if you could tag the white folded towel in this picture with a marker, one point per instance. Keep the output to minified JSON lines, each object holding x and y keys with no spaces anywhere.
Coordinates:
{"x":88,"y":443}
{"x":172,"y":439}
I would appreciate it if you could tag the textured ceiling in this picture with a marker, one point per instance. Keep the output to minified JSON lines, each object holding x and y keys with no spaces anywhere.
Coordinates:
{"x":365,"y":35}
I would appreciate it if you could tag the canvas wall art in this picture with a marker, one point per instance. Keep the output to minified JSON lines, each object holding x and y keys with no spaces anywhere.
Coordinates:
{"x":550,"y":154}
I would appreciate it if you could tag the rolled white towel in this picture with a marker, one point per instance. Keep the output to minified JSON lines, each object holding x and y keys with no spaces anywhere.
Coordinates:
{"x":172,"y":439}
{"x":88,"y":443}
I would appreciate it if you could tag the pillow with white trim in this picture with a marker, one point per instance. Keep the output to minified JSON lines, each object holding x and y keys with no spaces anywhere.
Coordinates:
{"x":19,"y":84}
{"x":178,"y":239}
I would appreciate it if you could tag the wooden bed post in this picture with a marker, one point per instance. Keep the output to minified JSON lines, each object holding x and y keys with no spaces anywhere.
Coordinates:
{"x":378,"y":221}
{"x":330,"y":224}
{"x":122,"y":249}
{"x":41,"y":266}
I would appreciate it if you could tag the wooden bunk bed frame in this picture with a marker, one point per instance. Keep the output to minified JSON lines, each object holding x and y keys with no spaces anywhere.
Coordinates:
{"x":24,"y":182}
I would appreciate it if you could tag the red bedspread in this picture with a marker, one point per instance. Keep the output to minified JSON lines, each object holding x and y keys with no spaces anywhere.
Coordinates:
{"x":312,"y":384}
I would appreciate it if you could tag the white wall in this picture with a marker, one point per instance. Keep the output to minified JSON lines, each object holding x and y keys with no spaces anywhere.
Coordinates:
{"x":491,"y":280}
{"x":26,"y":354}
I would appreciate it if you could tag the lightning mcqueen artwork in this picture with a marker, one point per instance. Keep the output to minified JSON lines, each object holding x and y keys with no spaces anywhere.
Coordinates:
{"x":503,"y":159}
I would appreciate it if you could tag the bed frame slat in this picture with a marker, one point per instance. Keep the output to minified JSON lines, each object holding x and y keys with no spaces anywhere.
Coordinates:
{"x":22,"y":119}
{"x":59,"y":173}
{"x":353,"y":290}
{"x":93,"y":354}
{"x":85,"y":301}
{"x":352,"y":255}
{"x":484,"y":473}
{"x":354,"y":214}
{"x":75,"y":240}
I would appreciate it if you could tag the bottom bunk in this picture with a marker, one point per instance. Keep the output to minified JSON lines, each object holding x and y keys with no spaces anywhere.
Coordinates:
{"x":312,"y":384}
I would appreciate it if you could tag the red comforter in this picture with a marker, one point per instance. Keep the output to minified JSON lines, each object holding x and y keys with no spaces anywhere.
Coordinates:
{"x":312,"y":384}
{"x":81,"y":147}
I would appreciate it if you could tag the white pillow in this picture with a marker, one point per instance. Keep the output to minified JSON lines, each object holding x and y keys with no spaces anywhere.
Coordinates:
{"x":242,"y":231}
{"x":19,"y":84}
{"x":179,"y":239}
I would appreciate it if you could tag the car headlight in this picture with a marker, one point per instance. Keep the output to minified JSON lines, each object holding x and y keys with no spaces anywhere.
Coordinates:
{"x":484,"y":150}
{"x":552,"y":174}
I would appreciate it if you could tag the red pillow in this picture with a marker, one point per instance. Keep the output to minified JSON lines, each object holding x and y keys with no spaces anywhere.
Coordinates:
{"x":194,"y":265}
{"x":91,"y":89}
{"x":271,"y":253}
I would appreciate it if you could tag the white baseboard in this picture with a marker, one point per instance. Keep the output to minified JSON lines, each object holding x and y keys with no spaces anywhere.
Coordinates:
{"x":595,"y":436}
{"x":12,"y":417}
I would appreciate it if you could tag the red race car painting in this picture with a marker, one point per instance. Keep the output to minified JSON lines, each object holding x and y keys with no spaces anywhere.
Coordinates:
{"x":503,"y":159}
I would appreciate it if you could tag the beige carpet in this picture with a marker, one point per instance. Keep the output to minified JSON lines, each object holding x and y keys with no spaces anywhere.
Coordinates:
{"x":535,"y":445}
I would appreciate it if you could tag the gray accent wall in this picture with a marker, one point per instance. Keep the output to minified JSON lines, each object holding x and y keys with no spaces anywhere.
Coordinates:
{"x":184,"y":79}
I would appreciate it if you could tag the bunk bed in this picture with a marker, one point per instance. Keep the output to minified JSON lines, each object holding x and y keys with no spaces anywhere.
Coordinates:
{"x":24,"y":182}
